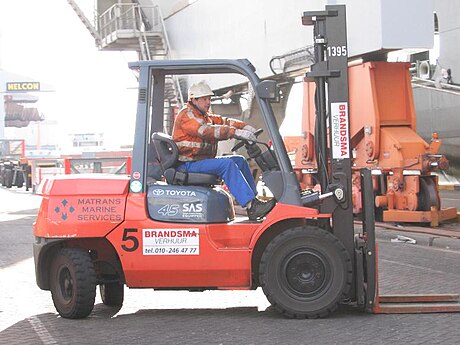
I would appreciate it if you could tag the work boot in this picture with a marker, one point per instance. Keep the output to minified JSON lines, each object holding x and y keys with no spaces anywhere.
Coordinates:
{"x":259,"y":208}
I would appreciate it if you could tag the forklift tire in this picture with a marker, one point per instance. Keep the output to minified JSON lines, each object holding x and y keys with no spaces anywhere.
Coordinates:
{"x":73,"y":283}
{"x":112,"y":294}
{"x":19,"y":180}
{"x":305,"y":272}
{"x":8,"y":183}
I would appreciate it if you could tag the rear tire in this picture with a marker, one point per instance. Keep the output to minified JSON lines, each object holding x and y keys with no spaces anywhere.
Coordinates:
{"x":305,"y":272}
{"x":73,"y":283}
{"x":112,"y":294}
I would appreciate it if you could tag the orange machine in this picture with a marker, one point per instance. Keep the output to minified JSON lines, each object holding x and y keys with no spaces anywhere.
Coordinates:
{"x":383,"y":138}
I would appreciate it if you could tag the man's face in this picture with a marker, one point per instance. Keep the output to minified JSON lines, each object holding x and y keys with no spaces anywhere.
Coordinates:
{"x":202,"y":103}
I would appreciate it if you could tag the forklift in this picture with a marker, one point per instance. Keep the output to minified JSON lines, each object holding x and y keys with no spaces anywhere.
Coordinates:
{"x":163,"y":229}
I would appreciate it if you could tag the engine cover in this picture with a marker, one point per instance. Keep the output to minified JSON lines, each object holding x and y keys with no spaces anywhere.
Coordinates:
{"x":189,"y":204}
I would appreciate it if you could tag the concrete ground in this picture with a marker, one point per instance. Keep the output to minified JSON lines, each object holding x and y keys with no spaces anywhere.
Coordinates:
{"x":27,"y":314}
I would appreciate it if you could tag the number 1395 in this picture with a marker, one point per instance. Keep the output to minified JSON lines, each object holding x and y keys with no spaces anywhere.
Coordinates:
{"x":337,"y":51}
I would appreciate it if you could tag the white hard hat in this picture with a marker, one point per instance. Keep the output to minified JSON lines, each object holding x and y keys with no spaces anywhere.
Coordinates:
{"x":200,"y":89}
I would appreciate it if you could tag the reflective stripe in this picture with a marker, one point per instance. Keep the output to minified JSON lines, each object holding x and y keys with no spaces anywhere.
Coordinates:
{"x":188,"y":144}
{"x":193,"y":144}
{"x":207,"y":146}
{"x":207,"y":129}
{"x":184,"y":158}
{"x":217,"y":132}
{"x":231,"y":122}
{"x":201,"y":130}
{"x":192,"y":116}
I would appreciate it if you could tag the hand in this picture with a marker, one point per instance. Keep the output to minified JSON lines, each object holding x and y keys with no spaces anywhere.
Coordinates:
{"x":249,"y":128}
{"x":243,"y":134}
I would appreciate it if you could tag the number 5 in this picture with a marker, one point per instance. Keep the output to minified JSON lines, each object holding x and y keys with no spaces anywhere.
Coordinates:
{"x":135,"y":241}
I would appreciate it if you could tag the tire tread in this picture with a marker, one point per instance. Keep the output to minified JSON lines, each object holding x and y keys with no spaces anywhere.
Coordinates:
{"x":85,"y":281}
{"x":313,"y":231}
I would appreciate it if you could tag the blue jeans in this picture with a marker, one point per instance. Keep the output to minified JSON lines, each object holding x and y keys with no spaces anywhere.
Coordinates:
{"x":235,"y":172}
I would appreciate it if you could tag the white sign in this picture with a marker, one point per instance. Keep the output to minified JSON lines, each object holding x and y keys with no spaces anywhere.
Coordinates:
{"x":340,"y":130}
{"x":171,"y":241}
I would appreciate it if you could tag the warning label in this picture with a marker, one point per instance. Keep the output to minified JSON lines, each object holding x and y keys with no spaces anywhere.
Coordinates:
{"x":171,"y":241}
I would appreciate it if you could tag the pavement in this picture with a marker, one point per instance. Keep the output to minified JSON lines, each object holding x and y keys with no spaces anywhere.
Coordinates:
{"x":27,"y":314}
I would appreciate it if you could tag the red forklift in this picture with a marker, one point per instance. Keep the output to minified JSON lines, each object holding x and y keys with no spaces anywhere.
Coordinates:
{"x":163,"y":229}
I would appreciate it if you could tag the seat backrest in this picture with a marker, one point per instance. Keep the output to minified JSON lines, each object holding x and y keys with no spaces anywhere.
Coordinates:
{"x":163,"y":157}
{"x":163,"y":154}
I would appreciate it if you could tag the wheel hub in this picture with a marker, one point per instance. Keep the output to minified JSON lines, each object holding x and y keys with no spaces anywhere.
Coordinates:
{"x":306,"y":273}
{"x":66,"y":284}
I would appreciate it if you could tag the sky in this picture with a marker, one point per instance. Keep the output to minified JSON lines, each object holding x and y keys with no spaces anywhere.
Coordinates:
{"x":94,"y":90}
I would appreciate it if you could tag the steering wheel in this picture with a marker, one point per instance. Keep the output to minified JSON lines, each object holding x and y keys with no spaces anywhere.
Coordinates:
{"x":243,"y":142}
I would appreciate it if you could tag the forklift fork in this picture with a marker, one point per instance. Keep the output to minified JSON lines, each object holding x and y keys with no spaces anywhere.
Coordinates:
{"x":389,"y":304}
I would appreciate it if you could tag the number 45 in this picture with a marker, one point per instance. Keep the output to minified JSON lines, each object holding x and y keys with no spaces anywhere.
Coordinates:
{"x":169,"y":210}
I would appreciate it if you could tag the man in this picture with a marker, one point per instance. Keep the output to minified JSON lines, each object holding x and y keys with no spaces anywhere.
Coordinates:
{"x":197,"y":132}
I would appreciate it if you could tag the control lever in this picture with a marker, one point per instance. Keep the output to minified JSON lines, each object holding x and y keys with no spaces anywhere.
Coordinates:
{"x":311,"y":198}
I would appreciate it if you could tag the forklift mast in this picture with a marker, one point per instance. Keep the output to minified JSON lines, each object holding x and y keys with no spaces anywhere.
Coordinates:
{"x":333,"y":155}
{"x":330,"y":73}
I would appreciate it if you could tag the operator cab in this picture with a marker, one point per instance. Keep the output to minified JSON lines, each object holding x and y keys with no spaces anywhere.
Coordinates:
{"x":174,"y":196}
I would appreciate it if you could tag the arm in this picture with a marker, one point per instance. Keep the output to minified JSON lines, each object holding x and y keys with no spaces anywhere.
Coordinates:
{"x":196,"y":126}
{"x":232,"y":122}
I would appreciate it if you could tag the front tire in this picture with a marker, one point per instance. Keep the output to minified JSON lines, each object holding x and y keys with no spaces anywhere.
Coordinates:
{"x":112,"y":294}
{"x":305,"y":272}
{"x":73,"y":283}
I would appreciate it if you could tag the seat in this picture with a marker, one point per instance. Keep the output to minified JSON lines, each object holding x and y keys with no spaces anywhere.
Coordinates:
{"x":163,"y":162}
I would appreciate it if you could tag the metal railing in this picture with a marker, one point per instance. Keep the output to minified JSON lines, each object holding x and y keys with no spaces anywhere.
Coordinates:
{"x":436,"y":85}
{"x":168,"y":47}
{"x":92,"y":30}
{"x":12,"y":148}
{"x":129,"y":17}
{"x":293,"y":60}
{"x":107,"y":165}
{"x":139,"y":21}
{"x":131,"y":26}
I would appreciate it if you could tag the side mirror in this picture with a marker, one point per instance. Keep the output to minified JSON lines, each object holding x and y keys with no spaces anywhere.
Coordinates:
{"x":268,"y":89}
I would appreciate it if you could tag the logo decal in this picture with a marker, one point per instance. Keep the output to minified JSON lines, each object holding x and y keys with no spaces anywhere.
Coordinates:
{"x":184,"y":241}
{"x":63,"y":210}
{"x":173,"y":192}
{"x":158,"y":192}
{"x":340,"y":131}
{"x":23,"y":86}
